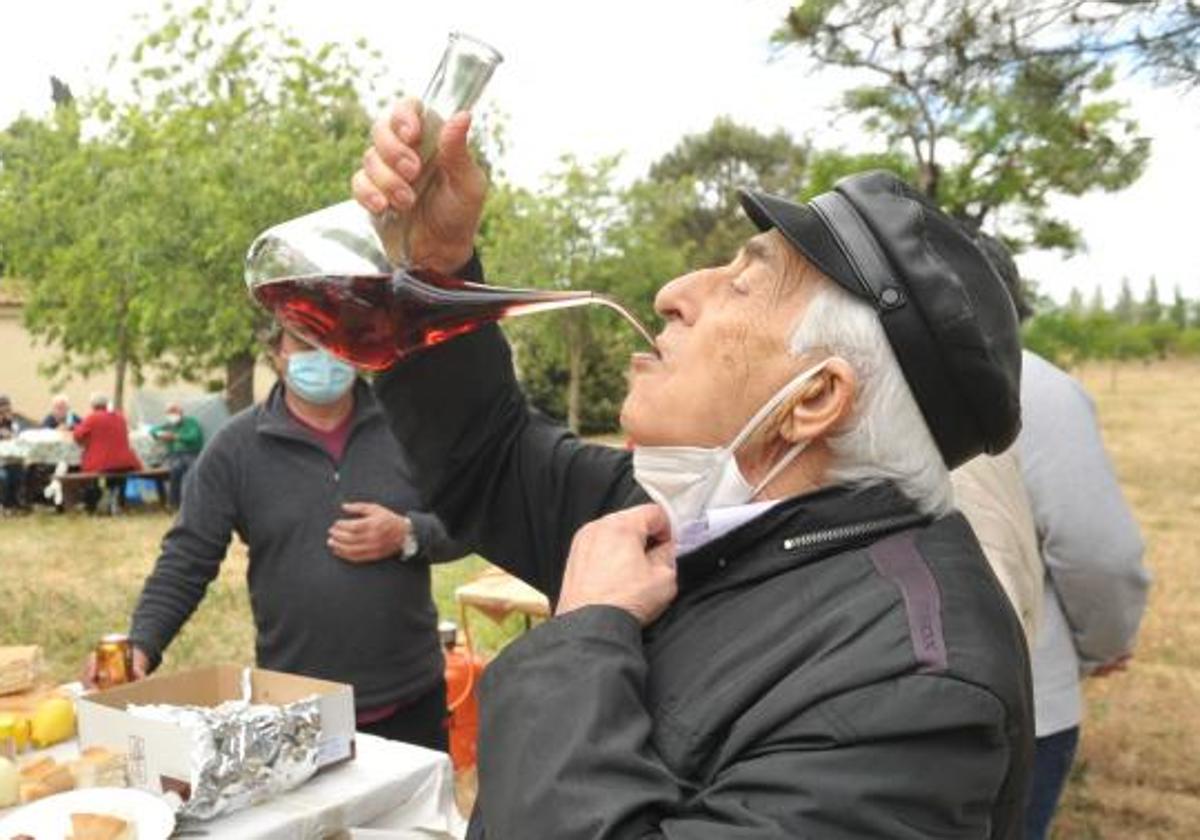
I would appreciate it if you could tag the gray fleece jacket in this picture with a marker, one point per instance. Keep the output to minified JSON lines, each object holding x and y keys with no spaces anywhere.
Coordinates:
{"x":266,"y":479}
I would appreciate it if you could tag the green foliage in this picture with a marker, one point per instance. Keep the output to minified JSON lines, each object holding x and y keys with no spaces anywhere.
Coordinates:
{"x":985,"y":126}
{"x":709,"y":169}
{"x":580,"y":232}
{"x":134,"y":237}
{"x":1069,"y":336}
{"x":1151,"y":310}
{"x":1126,"y":310}
{"x":702,"y":176}
{"x":1178,"y":313}
{"x":545,"y":375}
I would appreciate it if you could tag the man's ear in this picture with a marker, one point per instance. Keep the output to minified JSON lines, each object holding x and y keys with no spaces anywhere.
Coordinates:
{"x":822,"y":404}
{"x":278,"y":361}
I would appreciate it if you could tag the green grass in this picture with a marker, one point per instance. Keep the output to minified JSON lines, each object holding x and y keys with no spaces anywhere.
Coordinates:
{"x":66,"y":580}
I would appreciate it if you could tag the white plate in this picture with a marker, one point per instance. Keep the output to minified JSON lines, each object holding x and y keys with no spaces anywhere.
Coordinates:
{"x":50,"y":818}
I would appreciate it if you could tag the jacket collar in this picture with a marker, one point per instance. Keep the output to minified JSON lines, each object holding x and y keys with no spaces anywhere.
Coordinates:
{"x":276,"y":420}
{"x":798,"y":530}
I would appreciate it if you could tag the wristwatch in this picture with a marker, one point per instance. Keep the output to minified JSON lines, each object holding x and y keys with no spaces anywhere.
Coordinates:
{"x":411,"y":546}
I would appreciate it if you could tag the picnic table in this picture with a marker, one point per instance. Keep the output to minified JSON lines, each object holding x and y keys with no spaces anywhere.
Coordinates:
{"x":46,"y":453}
{"x":389,"y":788}
{"x":497,"y":594}
{"x":51,"y":447}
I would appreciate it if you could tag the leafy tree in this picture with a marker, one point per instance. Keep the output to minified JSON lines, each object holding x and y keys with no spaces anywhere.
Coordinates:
{"x":32,"y":224}
{"x":987,"y":130}
{"x":1075,"y":302}
{"x":71,"y":217}
{"x":1179,"y":310}
{"x":1096,"y":306}
{"x":1151,"y":309}
{"x":1159,"y":37}
{"x":580,"y":232}
{"x":233,"y":125}
{"x":705,"y":173}
{"x":1125,"y":309}
{"x":715,"y":165}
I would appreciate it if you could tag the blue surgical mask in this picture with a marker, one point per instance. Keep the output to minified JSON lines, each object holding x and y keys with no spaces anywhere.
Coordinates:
{"x":318,"y":377}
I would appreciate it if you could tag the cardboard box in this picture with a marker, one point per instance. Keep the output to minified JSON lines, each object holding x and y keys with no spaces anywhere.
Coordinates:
{"x":159,"y":753}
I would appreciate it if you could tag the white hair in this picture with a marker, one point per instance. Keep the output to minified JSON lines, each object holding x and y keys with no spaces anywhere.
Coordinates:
{"x":886,"y":438}
{"x":98,"y":400}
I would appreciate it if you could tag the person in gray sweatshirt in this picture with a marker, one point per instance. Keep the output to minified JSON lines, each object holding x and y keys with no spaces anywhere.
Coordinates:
{"x":311,"y":480}
{"x":1096,"y":584}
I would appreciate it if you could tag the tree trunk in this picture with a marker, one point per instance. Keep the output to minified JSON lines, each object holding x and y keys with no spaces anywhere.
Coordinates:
{"x":929,"y":179}
{"x":574,"y":382}
{"x":118,"y":396}
{"x":239,"y":382}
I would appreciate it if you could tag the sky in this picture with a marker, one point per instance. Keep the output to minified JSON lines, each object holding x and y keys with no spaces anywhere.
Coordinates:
{"x":634,"y":76}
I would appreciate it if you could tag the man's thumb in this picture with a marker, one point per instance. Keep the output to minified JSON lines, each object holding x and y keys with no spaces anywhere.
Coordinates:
{"x":453,"y":152}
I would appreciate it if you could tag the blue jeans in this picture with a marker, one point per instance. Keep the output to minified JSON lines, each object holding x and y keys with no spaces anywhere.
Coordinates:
{"x":1052,"y":758}
{"x":178,"y":464}
{"x":12,"y":485}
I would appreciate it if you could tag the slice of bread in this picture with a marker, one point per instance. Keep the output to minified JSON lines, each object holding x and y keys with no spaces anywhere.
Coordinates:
{"x":101,"y":827}
{"x":44,"y":777}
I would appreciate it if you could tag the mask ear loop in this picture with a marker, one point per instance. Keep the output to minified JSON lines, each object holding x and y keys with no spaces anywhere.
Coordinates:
{"x":764,"y":412}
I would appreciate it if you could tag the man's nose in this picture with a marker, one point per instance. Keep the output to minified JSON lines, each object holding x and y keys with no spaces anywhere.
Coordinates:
{"x":680,"y":298}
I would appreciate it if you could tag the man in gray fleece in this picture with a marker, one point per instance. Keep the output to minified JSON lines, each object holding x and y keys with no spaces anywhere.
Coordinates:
{"x":312,"y":483}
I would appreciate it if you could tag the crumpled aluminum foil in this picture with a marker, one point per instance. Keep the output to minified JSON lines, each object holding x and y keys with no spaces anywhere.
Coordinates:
{"x":243,"y":753}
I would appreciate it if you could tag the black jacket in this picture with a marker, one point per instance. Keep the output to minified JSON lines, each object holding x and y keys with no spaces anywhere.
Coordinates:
{"x":837,"y":668}
{"x":265,"y":478}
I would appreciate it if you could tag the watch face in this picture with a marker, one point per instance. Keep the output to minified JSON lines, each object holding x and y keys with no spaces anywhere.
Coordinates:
{"x":410,"y":545}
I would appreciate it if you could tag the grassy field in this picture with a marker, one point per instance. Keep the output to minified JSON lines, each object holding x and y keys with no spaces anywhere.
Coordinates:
{"x":66,"y":580}
{"x":1138,"y":775}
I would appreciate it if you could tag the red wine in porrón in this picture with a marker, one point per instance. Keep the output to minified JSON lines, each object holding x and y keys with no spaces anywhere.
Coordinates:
{"x":372,"y":320}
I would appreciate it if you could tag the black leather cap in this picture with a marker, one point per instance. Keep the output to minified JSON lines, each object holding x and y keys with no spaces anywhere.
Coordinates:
{"x":945,"y":311}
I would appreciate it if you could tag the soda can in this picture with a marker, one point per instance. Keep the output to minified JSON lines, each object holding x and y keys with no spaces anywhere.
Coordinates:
{"x":114,"y":660}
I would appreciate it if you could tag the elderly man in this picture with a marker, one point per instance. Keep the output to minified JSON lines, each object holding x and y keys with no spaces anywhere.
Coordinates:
{"x":61,"y":416}
{"x":800,"y":638}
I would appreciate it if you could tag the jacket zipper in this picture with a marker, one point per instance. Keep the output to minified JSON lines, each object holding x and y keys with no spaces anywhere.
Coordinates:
{"x":850,"y":532}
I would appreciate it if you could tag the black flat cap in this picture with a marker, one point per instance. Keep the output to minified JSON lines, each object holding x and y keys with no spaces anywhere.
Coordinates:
{"x":945,"y":311}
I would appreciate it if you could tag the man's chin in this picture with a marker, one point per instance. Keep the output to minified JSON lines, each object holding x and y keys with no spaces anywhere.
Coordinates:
{"x":630,"y":418}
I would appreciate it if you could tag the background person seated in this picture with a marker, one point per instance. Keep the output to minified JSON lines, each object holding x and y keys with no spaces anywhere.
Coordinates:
{"x":61,"y":415}
{"x":12,"y":473}
{"x":184,"y":439}
{"x":104,"y":436}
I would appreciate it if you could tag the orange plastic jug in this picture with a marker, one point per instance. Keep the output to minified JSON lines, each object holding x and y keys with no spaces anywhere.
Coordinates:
{"x":464,"y":670}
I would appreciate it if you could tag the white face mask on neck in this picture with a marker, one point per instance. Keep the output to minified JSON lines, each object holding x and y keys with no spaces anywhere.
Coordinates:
{"x":688,"y":481}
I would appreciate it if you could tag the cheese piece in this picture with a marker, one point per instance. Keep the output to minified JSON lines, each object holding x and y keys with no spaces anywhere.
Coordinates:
{"x":99,"y":767}
{"x":10,"y":783}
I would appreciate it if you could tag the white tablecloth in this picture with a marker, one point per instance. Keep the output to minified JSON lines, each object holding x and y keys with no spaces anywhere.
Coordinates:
{"x":389,"y":787}
{"x":50,"y":446}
